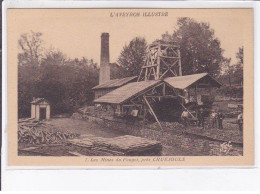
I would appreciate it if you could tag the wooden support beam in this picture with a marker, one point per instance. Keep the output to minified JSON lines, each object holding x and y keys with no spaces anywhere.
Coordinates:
{"x":164,"y":89}
{"x":145,"y":76}
{"x":173,"y":72}
{"x":146,"y":101}
{"x":169,"y":57}
{"x":180,"y":69}
{"x":169,"y":68}
{"x":157,"y":76}
{"x":196,"y":100}
{"x":149,"y":74}
{"x":194,"y":117}
{"x":140,"y":75}
{"x":147,"y":91}
{"x":174,"y":50}
{"x":189,"y":94}
{"x":131,"y":105}
{"x":144,"y":116}
{"x":166,"y":96}
{"x":148,"y":66}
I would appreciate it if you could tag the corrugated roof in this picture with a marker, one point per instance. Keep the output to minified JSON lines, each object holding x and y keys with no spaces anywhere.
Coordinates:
{"x":127,"y":91}
{"x":182,"y":82}
{"x":114,"y":83}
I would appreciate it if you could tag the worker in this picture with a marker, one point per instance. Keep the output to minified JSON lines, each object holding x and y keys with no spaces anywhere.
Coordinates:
{"x":220,"y":118}
{"x":240,"y":122}
{"x":213,"y":117}
{"x":201,"y":118}
{"x":185,"y":118}
{"x":134,"y":113}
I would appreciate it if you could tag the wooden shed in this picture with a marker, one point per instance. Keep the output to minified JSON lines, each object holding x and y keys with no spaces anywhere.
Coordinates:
{"x":40,"y":109}
{"x":145,"y":96}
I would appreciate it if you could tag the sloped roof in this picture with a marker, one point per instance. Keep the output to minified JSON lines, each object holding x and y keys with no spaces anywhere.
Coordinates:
{"x":182,"y":82}
{"x":114,"y":83}
{"x":38,"y":100}
{"x":126,"y":92}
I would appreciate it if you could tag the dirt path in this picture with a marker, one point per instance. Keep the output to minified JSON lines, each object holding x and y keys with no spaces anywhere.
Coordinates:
{"x":83,"y":127}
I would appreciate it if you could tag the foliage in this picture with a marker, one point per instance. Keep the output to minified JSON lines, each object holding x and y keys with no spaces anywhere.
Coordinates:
{"x":227,"y":71}
{"x":233,"y":74}
{"x":31,"y":45}
{"x":200,"y":49}
{"x":66,"y":83}
{"x":132,"y":57}
{"x":231,"y":91}
{"x":116,"y":71}
{"x":238,"y":72}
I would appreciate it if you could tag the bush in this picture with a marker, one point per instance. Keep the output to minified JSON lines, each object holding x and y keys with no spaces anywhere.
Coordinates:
{"x":231,"y":91}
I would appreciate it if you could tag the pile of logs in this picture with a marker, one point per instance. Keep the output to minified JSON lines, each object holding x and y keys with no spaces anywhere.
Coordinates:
{"x":34,"y":132}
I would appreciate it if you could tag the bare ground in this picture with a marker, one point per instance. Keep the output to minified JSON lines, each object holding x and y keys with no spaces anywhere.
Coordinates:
{"x":83,"y":127}
{"x":173,"y":144}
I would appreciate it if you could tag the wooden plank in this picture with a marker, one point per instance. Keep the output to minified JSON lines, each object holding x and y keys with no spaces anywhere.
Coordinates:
{"x":158,"y":62}
{"x":164,"y":89}
{"x":153,"y":113}
{"x":166,"y":96}
{"x":140,"y":75}
{"x":196,"y":100}
{"x":145,"y":76}
{"x":189,"y":111}
{"x":148,"y":66}
{"x":169,"y":57}
{"x":180,"y":69}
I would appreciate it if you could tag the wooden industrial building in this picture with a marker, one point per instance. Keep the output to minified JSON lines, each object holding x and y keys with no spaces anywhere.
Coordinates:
{"x":160,"y":88}
{"x":144,"y":96}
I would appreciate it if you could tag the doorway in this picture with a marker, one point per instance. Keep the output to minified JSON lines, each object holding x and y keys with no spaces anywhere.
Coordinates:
{"x":42,"y":113}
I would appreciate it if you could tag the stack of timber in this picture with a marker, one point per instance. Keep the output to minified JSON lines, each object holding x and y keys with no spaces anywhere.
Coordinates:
{"x":119,"y":146}
{"x":35,"y":132}
{"x":89,"y":112}
{"x":130,"y":146}
{"x":79,"y":116}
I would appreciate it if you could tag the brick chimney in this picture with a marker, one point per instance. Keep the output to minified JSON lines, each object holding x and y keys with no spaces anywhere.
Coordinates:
{"x":104,"y":72}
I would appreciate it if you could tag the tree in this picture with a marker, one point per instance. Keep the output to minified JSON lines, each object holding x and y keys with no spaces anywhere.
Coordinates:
{"x":54,"y":57}
{"x":240,"y":56}
{"x":32,"y":49}
{"x":227,"y":70}
{"x":66,"y":83}
{"x":200,"y":49}
{"x":238,"y":73}
{"x":232,"y":75}
{"x":132,"y":57}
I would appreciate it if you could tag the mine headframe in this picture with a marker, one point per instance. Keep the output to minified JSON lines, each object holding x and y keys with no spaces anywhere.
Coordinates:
{"x":163,"y":60}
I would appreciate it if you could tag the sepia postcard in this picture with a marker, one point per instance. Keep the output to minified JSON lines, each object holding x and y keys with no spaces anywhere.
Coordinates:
{"x":130,"y":87}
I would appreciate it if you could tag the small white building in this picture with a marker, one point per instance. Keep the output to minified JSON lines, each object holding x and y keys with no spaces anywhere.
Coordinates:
{"x":40,"y":109}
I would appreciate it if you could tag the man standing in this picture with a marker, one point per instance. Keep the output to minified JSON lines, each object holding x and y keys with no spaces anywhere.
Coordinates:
{"x":213,"y":119}
{"x":185,"y":117}
{"x":240,"y":122}
{"x":220,"y":118}
{"x":201,"y":118}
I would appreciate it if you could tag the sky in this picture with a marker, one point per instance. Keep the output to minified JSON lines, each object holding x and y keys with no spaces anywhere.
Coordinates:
{"x":76,"y":32}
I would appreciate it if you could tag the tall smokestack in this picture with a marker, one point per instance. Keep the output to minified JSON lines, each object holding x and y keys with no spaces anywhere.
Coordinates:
{"x":104,"y":72}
